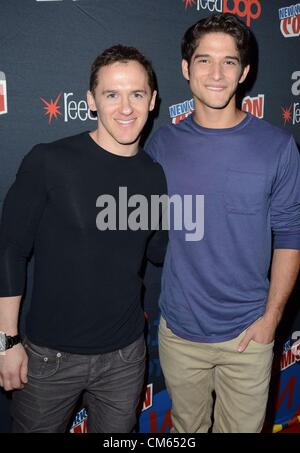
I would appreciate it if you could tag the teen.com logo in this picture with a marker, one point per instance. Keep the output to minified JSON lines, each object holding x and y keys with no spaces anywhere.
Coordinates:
{"x":250,"y":9}
{"x":291,"y":112}
{"x":64,"y":106}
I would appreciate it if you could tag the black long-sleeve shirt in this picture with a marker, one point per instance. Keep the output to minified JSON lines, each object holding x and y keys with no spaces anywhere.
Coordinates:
{"x":86,"y":290}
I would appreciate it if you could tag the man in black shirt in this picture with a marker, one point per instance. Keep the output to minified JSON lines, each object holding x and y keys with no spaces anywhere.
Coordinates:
{"x":84,"y":332}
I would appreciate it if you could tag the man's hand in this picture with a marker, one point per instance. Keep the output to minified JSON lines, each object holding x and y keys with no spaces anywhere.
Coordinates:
{"x":262,"y":331}
{"x":284,"y":271}
{"x":13,"y":368}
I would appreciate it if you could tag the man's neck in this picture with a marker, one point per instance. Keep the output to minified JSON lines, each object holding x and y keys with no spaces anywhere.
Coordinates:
{"x":118,"y":149}
{"x":218,"y":118}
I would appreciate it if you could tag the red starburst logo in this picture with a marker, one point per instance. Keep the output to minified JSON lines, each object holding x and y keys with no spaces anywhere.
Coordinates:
{"x":189,"y":3}
{"x":287,"y":114}
{"x":52,"y":108}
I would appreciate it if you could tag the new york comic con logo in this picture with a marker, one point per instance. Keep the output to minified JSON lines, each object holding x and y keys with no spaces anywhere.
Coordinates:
{"x":250,"y":9}
{"x":252,"y":104}
{"x":66,"y":107}
{"x":289,"y":17}
{"x":3,"y":94}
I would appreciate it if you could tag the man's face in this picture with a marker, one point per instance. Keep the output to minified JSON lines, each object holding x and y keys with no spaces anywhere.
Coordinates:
{"x":215,"y":71}
{"x":123,"y":100}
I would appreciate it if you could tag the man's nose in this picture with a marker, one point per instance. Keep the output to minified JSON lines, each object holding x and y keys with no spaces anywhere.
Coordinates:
{"x":216,"y":71}
{"x":126,"y":107}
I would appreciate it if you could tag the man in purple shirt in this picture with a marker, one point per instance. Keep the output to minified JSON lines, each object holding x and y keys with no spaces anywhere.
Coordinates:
{"x":219,"y":310}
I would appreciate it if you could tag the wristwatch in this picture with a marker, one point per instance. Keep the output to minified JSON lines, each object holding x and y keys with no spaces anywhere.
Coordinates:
{"x":7,"y":342}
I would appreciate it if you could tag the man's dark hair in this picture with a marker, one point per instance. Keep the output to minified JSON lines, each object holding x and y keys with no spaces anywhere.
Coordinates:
{"x":123,"y":54}
{"x":220,"y":23}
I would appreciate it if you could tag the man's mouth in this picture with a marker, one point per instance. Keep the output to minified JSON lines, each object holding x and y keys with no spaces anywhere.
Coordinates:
{"x":215,"y":88}
{"x":125,"y":122}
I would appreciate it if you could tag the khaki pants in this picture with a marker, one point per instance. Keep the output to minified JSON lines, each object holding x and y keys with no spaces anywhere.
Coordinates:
{"x":193,"y":370}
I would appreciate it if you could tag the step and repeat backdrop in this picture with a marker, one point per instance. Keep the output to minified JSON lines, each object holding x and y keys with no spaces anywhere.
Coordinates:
{"x":46,"y":50}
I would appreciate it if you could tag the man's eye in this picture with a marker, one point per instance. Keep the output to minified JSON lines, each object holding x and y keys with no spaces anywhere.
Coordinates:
{"x":138,"y":95}
{"x":111,"y":95}
{"x":231,"y":62}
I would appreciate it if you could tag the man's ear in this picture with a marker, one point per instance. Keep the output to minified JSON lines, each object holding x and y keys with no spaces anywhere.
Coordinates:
{"x":185,"y":69}
{"x":152,"y":102}
{"x":244,"y":73}
{"x":91,"y":101}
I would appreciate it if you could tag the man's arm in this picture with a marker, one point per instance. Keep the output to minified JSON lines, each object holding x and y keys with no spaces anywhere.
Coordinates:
{"x":284,"y":272}
{"x":13,"y":362}
{"x":22,"y":211}
{"x":285,"y":225}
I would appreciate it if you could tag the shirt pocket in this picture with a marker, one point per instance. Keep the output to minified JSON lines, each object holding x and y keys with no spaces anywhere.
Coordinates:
{"x":244,"y":192}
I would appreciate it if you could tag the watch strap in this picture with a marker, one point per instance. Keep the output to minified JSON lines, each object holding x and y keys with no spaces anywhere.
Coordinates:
{"x":12,"y":341}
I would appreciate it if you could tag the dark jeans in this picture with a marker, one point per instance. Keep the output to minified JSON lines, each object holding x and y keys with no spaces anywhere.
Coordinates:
{"x":110,"y":383}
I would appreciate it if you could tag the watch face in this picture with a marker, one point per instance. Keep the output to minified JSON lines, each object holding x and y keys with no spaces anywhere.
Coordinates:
{"x":2,"y":342}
